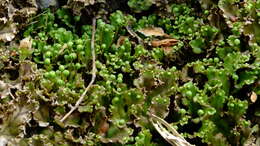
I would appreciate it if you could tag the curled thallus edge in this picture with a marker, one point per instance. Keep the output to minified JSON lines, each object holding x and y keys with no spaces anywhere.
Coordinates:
{"x":168,"y":132}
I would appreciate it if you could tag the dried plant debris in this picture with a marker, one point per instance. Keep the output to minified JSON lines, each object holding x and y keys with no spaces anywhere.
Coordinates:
{"x":13,"y":16}
{"x":167,"y":132}
{"x":164,"y":42}
{"x":152,"y":31}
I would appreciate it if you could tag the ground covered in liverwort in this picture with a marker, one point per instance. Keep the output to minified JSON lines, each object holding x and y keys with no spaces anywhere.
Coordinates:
{"x":112,"y":72}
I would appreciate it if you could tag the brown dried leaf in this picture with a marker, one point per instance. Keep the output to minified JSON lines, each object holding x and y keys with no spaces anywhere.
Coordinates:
{"x":164,"y":43}
{"x":153,"y":31}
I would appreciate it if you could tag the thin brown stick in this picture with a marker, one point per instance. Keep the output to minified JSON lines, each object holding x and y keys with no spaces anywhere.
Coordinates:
{"x":132,"y":33}
{"x":168,"y":132}
{"x":93,"y":72}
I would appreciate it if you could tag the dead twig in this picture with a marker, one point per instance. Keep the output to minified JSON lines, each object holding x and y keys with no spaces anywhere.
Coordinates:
{"x":93,"y":72}
{"x":168,"y":132}
{"x":132,"y":33}
{"x":11,"y":94}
